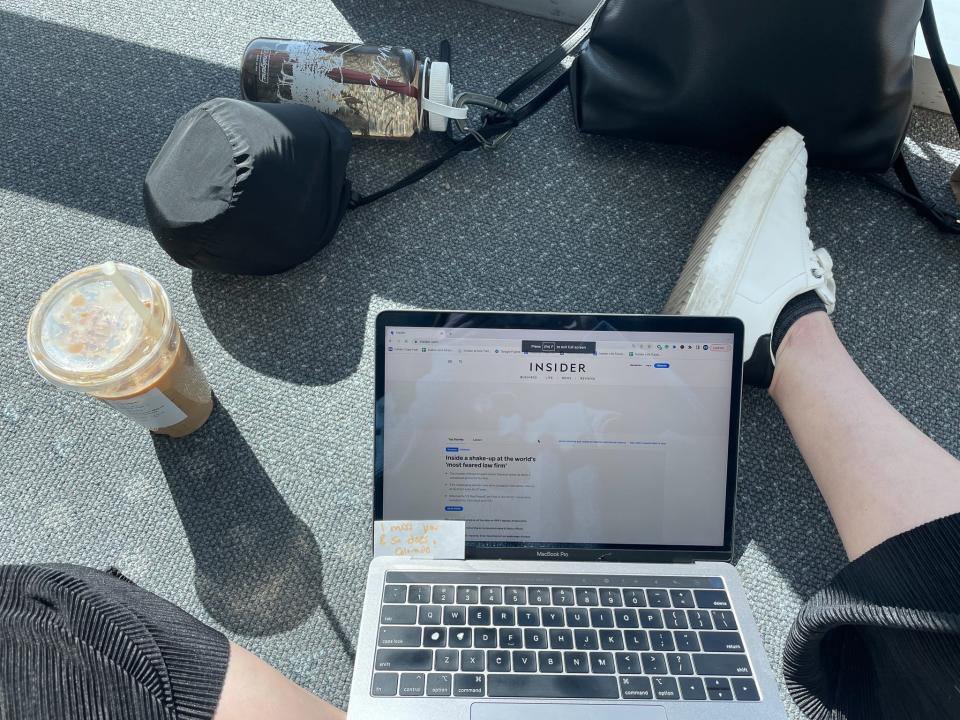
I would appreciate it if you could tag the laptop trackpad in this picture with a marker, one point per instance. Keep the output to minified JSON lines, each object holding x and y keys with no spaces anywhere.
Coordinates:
{"x":565,"y":711}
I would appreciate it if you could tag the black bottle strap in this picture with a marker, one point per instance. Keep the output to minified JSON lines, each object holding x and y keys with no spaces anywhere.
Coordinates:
{"x":911,"y":191}
{"x":494,"y":124}
{"x":468,"y":143}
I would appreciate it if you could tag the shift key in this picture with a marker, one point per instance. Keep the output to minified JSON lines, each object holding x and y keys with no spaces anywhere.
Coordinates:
{"x":404,"y":660}
{"x":721,"y":664}
{"x":400,"y":637}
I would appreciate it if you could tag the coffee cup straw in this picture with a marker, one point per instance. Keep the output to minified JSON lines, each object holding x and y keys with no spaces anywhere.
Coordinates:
{"x":130,"y":295}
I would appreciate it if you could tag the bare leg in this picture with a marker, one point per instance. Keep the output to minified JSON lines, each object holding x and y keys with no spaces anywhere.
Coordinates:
{"x":879,"y":475}
{"x":254,"y":690}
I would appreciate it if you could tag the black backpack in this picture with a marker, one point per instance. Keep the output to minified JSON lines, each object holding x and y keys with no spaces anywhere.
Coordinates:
{"x":727,"y":73}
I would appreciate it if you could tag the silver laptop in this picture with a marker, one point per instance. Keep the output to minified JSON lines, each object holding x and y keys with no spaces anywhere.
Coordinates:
{"x":593,"y":461}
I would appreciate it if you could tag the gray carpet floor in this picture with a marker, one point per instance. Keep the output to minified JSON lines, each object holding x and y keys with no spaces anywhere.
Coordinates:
{"x":259,"y":523}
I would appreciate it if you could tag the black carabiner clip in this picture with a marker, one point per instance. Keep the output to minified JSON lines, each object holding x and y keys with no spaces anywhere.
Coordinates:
{"x":490,"y":103}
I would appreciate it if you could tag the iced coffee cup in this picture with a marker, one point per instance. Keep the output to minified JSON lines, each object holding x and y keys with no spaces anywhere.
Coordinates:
{"x":109,"y":331}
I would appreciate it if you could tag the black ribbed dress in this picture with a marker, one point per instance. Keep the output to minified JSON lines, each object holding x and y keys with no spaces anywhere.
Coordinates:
{"x":882,"y":640}
{"x":80,"y":644}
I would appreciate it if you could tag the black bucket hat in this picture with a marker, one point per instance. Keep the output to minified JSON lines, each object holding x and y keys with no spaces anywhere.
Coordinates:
{"x":248,"y":188}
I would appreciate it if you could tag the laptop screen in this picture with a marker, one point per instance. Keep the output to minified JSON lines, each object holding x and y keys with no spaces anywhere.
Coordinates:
{"x":545,"y":438}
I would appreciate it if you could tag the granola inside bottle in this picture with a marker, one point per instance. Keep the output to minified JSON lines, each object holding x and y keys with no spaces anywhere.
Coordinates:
{"x":376,"y":91}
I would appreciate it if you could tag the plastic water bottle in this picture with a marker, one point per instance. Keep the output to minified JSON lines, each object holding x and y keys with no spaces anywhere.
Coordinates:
{"x":377,"y":91}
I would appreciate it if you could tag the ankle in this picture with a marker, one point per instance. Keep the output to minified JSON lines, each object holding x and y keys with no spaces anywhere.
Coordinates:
{"x":804,"y":336}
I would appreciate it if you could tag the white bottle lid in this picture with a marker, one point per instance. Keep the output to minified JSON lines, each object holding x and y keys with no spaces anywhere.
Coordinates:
{"x":438,"y":103}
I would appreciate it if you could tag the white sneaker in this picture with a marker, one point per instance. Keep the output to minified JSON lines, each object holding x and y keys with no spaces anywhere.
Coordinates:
{"x":754,"y":254}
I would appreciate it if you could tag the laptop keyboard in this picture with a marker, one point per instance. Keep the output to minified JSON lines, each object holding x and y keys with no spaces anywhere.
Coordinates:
{"x":475,"y":635}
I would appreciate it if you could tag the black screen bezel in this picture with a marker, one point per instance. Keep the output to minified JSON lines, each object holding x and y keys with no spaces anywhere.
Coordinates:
{"x":575,"y":322}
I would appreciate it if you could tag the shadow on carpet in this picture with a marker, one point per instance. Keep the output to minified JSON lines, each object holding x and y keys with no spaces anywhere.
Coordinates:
{"x":258,"y":568}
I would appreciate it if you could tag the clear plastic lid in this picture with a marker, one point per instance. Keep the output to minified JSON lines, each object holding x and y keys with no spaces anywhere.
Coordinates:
{"x":85,"y":335}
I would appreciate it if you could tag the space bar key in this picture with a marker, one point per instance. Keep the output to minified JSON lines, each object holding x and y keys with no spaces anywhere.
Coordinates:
{"x":552,"y":686}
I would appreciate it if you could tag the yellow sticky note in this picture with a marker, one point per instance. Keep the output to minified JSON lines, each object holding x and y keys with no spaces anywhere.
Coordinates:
{"x":441,"y":539}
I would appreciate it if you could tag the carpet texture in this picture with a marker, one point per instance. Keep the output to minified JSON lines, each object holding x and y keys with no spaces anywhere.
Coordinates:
{"x":259,"y":523}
